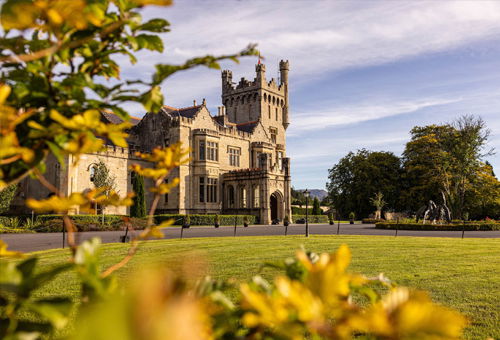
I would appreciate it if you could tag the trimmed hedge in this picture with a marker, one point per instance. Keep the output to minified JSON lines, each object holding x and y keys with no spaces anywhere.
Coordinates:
{"x":439,"y":227}
{"x":55,"y":225}
{"x":301,"y":211}
{"x":372,"y":221}
{"x":312,"y":218}
{"x":205,"y":219}
{"x":83,"y":218}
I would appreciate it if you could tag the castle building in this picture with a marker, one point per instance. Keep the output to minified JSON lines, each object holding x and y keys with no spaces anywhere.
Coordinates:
{"x":238,"y":157}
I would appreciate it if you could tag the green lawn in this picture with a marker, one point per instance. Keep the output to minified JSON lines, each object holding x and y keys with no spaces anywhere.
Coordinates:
{"x":463,"y":274}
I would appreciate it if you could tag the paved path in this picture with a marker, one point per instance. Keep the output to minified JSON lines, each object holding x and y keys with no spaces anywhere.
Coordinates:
{"x":43,"y":241}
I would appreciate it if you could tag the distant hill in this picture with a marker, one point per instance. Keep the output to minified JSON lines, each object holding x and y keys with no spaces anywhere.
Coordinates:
{"x":319,"y":193}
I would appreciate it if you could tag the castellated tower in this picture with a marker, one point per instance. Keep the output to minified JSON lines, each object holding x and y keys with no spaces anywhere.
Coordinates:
{"x":249,"y":101}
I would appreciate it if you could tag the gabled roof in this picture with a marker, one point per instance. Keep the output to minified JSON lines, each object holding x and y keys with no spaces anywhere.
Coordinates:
{"x":115,"y":119}
{"x":187,"y":112}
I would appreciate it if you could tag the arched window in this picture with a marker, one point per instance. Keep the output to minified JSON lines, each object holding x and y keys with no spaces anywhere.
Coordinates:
{"x":276,"y":113}
{"x":92,"y":171}
{"x":274,"y":100}
{"x":230,"y":196}
{"x":256,"y":196}
{"x":265,"y":97}
{"x":243,"y":197}
{"x":242,"y":99}
{"x":269,"y":110}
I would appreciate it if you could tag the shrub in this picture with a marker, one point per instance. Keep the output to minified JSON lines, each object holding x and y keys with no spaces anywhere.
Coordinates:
{"x":312,"y":218}
{"x":436,"y":227}
{"x":371,"y":220}
{"x":301,"y":211}
{"x":205,"y":219}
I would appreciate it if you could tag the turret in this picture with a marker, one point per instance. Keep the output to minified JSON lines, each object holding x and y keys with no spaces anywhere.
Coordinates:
{"x":260,"y":69}
{"x":227,"y":78}
{"x":284,"y":68}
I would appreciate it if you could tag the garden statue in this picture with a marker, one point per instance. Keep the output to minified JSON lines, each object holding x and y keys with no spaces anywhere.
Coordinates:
{"x":434,"y":212}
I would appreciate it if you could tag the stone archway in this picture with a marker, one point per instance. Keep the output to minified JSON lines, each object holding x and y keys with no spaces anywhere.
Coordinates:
{"x":276,"y":206}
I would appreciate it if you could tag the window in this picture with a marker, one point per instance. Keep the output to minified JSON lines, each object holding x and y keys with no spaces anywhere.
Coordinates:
{"x":167,"y":141}
{"x":212,"y":190}
{"x":269,"y":110}
{"x":234,"y":156}
{"x":202,"y":150}
{"x":243,"y":197}
{"x":202,"y":189}
{"x":273,"y":132}
{"x":212,"y":151}
{"x":276,"y":114}
{"x":230,"y":196}
{"x":280,"y":160}
{"x":92,"y":172}
{"x":256,"y":196}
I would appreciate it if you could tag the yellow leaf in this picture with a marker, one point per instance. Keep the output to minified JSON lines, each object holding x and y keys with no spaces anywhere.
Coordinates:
{"x":8,"y":253}
{"x":4,"y":93}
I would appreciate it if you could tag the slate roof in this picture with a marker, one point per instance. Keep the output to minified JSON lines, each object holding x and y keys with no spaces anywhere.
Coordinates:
{"x":248,"y":126}
{"x":115,"y":119}
{"x":188,"y":112}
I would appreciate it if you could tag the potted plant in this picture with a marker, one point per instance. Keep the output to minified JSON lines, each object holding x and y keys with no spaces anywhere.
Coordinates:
{"x":286,"y":221}
{"x":330,"y":219}
{"x":245,"y":221}
{"x":187,"y":222}
{"x":216,"y":221}
{"x":351,"y":217}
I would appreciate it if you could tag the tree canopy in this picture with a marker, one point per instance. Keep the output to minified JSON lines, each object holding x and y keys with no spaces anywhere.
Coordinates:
{"x":439,"y":159}
{"x":359,"y":176}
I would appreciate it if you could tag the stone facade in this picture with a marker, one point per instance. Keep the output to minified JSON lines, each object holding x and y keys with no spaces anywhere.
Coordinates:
{"x":238,"y":157}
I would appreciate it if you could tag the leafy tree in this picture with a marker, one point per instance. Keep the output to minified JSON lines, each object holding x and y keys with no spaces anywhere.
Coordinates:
{"x":316,"y":210}
{"x":138,"y":208}
{"x":298,"y":197}
{"x":445,"y":158}
{"x":103,"y":179}
{"x":6,"y":197}
{"x":359,"y":176}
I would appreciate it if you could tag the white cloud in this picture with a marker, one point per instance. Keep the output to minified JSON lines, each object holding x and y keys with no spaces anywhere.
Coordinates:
{"x":317,"y":119}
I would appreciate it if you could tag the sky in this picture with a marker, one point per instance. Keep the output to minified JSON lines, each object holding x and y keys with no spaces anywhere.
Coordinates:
{"x":362,"y":73}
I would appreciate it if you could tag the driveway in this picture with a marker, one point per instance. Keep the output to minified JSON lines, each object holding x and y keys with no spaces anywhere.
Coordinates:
{"x":43,"y":241}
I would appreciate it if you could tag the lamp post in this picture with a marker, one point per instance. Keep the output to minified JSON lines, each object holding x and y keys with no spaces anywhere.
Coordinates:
{"x":306,"y":194}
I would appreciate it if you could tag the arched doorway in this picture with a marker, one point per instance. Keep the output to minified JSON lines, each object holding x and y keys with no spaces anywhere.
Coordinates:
{"x":276,"y":206}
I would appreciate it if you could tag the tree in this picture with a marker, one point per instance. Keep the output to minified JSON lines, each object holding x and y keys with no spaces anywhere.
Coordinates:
{"x":316,"y":210}
{"x":6,"y":197}
{"x":445,"y":158}
{"x":138,"y":208}
{"x":379,"y":203}
{"x":359,"y":176}
{"x":102,"y":179}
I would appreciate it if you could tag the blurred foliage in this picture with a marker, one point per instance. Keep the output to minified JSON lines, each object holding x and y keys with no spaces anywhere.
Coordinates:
{"x":59,"y":68}
{"x":315,"y":297}
{"x":6,"y":197}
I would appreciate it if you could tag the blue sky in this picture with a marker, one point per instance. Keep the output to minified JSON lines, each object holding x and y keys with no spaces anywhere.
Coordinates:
{"x":362,"y":73}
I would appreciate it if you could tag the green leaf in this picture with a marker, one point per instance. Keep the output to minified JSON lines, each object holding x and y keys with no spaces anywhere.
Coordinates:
{"x":56,"y":310}
{"x":153,"y":99}
{"x":150,"y":42}
{"x":27,"y":266}
{"x":154,"y":25}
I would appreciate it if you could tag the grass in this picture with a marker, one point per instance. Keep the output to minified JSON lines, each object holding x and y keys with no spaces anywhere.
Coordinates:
{"x":462,"y":274}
